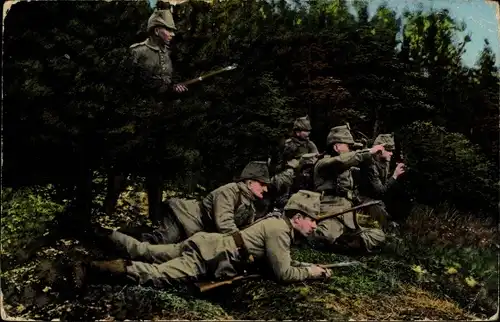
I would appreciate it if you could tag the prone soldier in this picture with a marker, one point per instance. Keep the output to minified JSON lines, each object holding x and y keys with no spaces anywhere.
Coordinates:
{"x":224,"y":210}
{"x":223,"y":256}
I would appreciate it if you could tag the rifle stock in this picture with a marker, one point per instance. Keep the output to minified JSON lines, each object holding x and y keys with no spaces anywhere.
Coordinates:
{"x":207,"y":286}
{"x":363,"y":205}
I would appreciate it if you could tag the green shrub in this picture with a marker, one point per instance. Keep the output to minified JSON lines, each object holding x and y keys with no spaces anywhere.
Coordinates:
{"x":24,"y":215}
{"x":448,"y":167}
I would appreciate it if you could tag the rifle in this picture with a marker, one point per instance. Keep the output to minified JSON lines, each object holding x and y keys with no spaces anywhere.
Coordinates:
{"x":363,"y":205}
{"x":202,"y":77}
{"x":206,"y":286}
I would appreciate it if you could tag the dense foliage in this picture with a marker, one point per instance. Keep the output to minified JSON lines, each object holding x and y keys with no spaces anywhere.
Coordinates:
{"x":73,"y":103}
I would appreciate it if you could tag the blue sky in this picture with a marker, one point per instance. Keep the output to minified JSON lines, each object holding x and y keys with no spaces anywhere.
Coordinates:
{"x":479,"y":16}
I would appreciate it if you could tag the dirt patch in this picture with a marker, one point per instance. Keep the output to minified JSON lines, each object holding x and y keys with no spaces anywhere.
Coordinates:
{"x":409,"y":303}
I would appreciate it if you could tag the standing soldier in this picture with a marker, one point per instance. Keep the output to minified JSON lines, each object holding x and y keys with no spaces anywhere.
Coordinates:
{"x":153,"y":55}
{"x":374,"y":180}
{"x":333,"y":178}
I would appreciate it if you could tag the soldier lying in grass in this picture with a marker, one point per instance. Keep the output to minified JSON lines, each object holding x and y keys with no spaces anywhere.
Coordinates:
{"x":221,"y":256}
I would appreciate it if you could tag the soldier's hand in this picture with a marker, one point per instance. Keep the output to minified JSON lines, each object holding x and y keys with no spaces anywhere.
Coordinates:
{"x":180,"y":88}
{"x":318,"y":272}
{"x":400,"y":169}
{"x":377,"y":148}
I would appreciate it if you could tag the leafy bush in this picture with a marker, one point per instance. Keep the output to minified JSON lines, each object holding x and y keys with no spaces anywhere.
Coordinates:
{"x":447,"y":166}
{"x":24,"y":214}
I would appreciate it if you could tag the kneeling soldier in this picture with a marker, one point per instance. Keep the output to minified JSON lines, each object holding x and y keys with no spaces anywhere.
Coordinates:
{"x":224,"y":256}
{"x":333,"y":178}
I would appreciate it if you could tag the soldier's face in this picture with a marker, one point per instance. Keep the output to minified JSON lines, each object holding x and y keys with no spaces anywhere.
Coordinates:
{"x":165,"y":34}
{"x":305,"y":225}
{"x":303,"y":134}
{"x":257,"y":188}
{"x":386,"y":155}
{"x":341,"y":148}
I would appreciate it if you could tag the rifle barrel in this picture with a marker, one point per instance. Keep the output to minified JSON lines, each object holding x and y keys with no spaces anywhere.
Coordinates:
{"x":363,"y":205}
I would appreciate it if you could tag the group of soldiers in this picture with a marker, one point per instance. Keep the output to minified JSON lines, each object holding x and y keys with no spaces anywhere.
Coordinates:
{"x":224,"y":235}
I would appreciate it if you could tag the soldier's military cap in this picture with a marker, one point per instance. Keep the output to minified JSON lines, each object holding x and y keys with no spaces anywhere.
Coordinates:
{"x":304,"y":201}
{"x":387,"y":140}
{"x":161,"y":18}
{"x":302,"y":124}
{"x":255,"y":170}
{"x":340,"y":134}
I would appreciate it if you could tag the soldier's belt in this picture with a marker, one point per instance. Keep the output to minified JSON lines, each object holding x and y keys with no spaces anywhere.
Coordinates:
{"x":243,"y":251}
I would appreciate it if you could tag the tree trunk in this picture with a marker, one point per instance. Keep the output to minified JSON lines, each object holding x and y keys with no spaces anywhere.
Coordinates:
{"x":116,"y":183}
{"x":154,"y":190}
{"x":84,"y":196}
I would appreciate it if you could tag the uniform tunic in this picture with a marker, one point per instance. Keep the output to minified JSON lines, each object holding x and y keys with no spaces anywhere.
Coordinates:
{"x":333,"y":177}
{"x":374,"y":184}
{"x":295,"y":147}
{"x":156,"y":62}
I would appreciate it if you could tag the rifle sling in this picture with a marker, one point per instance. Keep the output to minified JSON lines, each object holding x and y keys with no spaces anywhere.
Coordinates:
{"x":238,"y":240}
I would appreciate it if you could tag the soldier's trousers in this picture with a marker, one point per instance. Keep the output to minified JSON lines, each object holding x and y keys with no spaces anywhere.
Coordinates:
{"x":376,"y":212}
{"x":169,"y":232}
{"x":341,"y":231}
{"x":204,"y":254}
{"x":332,"y":232}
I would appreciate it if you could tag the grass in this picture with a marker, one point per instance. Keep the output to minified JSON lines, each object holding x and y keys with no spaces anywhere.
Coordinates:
{"x":441,"y":265}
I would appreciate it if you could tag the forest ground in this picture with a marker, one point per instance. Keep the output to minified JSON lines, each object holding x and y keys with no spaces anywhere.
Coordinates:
{"x":439,"y":264}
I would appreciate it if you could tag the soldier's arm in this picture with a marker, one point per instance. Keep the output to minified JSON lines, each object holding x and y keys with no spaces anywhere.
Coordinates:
{"x":283,"y":180}
{"x":378,"y":188}
{"x":312,"y":147}
{"x":289,"y":150}
{"x":278,"y":254}
{"x":295,"y":263}
{"x":224,"y":205}
{"x":344,"y":161}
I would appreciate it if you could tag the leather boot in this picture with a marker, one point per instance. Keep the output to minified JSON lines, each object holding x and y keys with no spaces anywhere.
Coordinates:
{"x":109,"y":272}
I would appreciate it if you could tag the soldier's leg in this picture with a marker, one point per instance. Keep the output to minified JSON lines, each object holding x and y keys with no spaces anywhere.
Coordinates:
{"x":169,"y":232}
{"x":189,"y":267}
{"x":143,"y":251}
{"x":379,"y":213}
{"x":372,"y":238}
{"x":361,"y":240}
{"x":328,"y":231}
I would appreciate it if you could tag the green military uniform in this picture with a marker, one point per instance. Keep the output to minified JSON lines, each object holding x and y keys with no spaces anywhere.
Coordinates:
{"x":154,"y":58}
{"x":375,"y":181}
{"x":223,"y":210}
{"x":295,"y":147}
{"x":333,"y":178}
{"x":219,"y":256}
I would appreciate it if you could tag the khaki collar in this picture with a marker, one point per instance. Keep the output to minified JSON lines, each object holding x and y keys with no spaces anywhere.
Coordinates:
{"x":289,"y":223}
{"x":245,"y":192}
{"x":155,"y":47}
